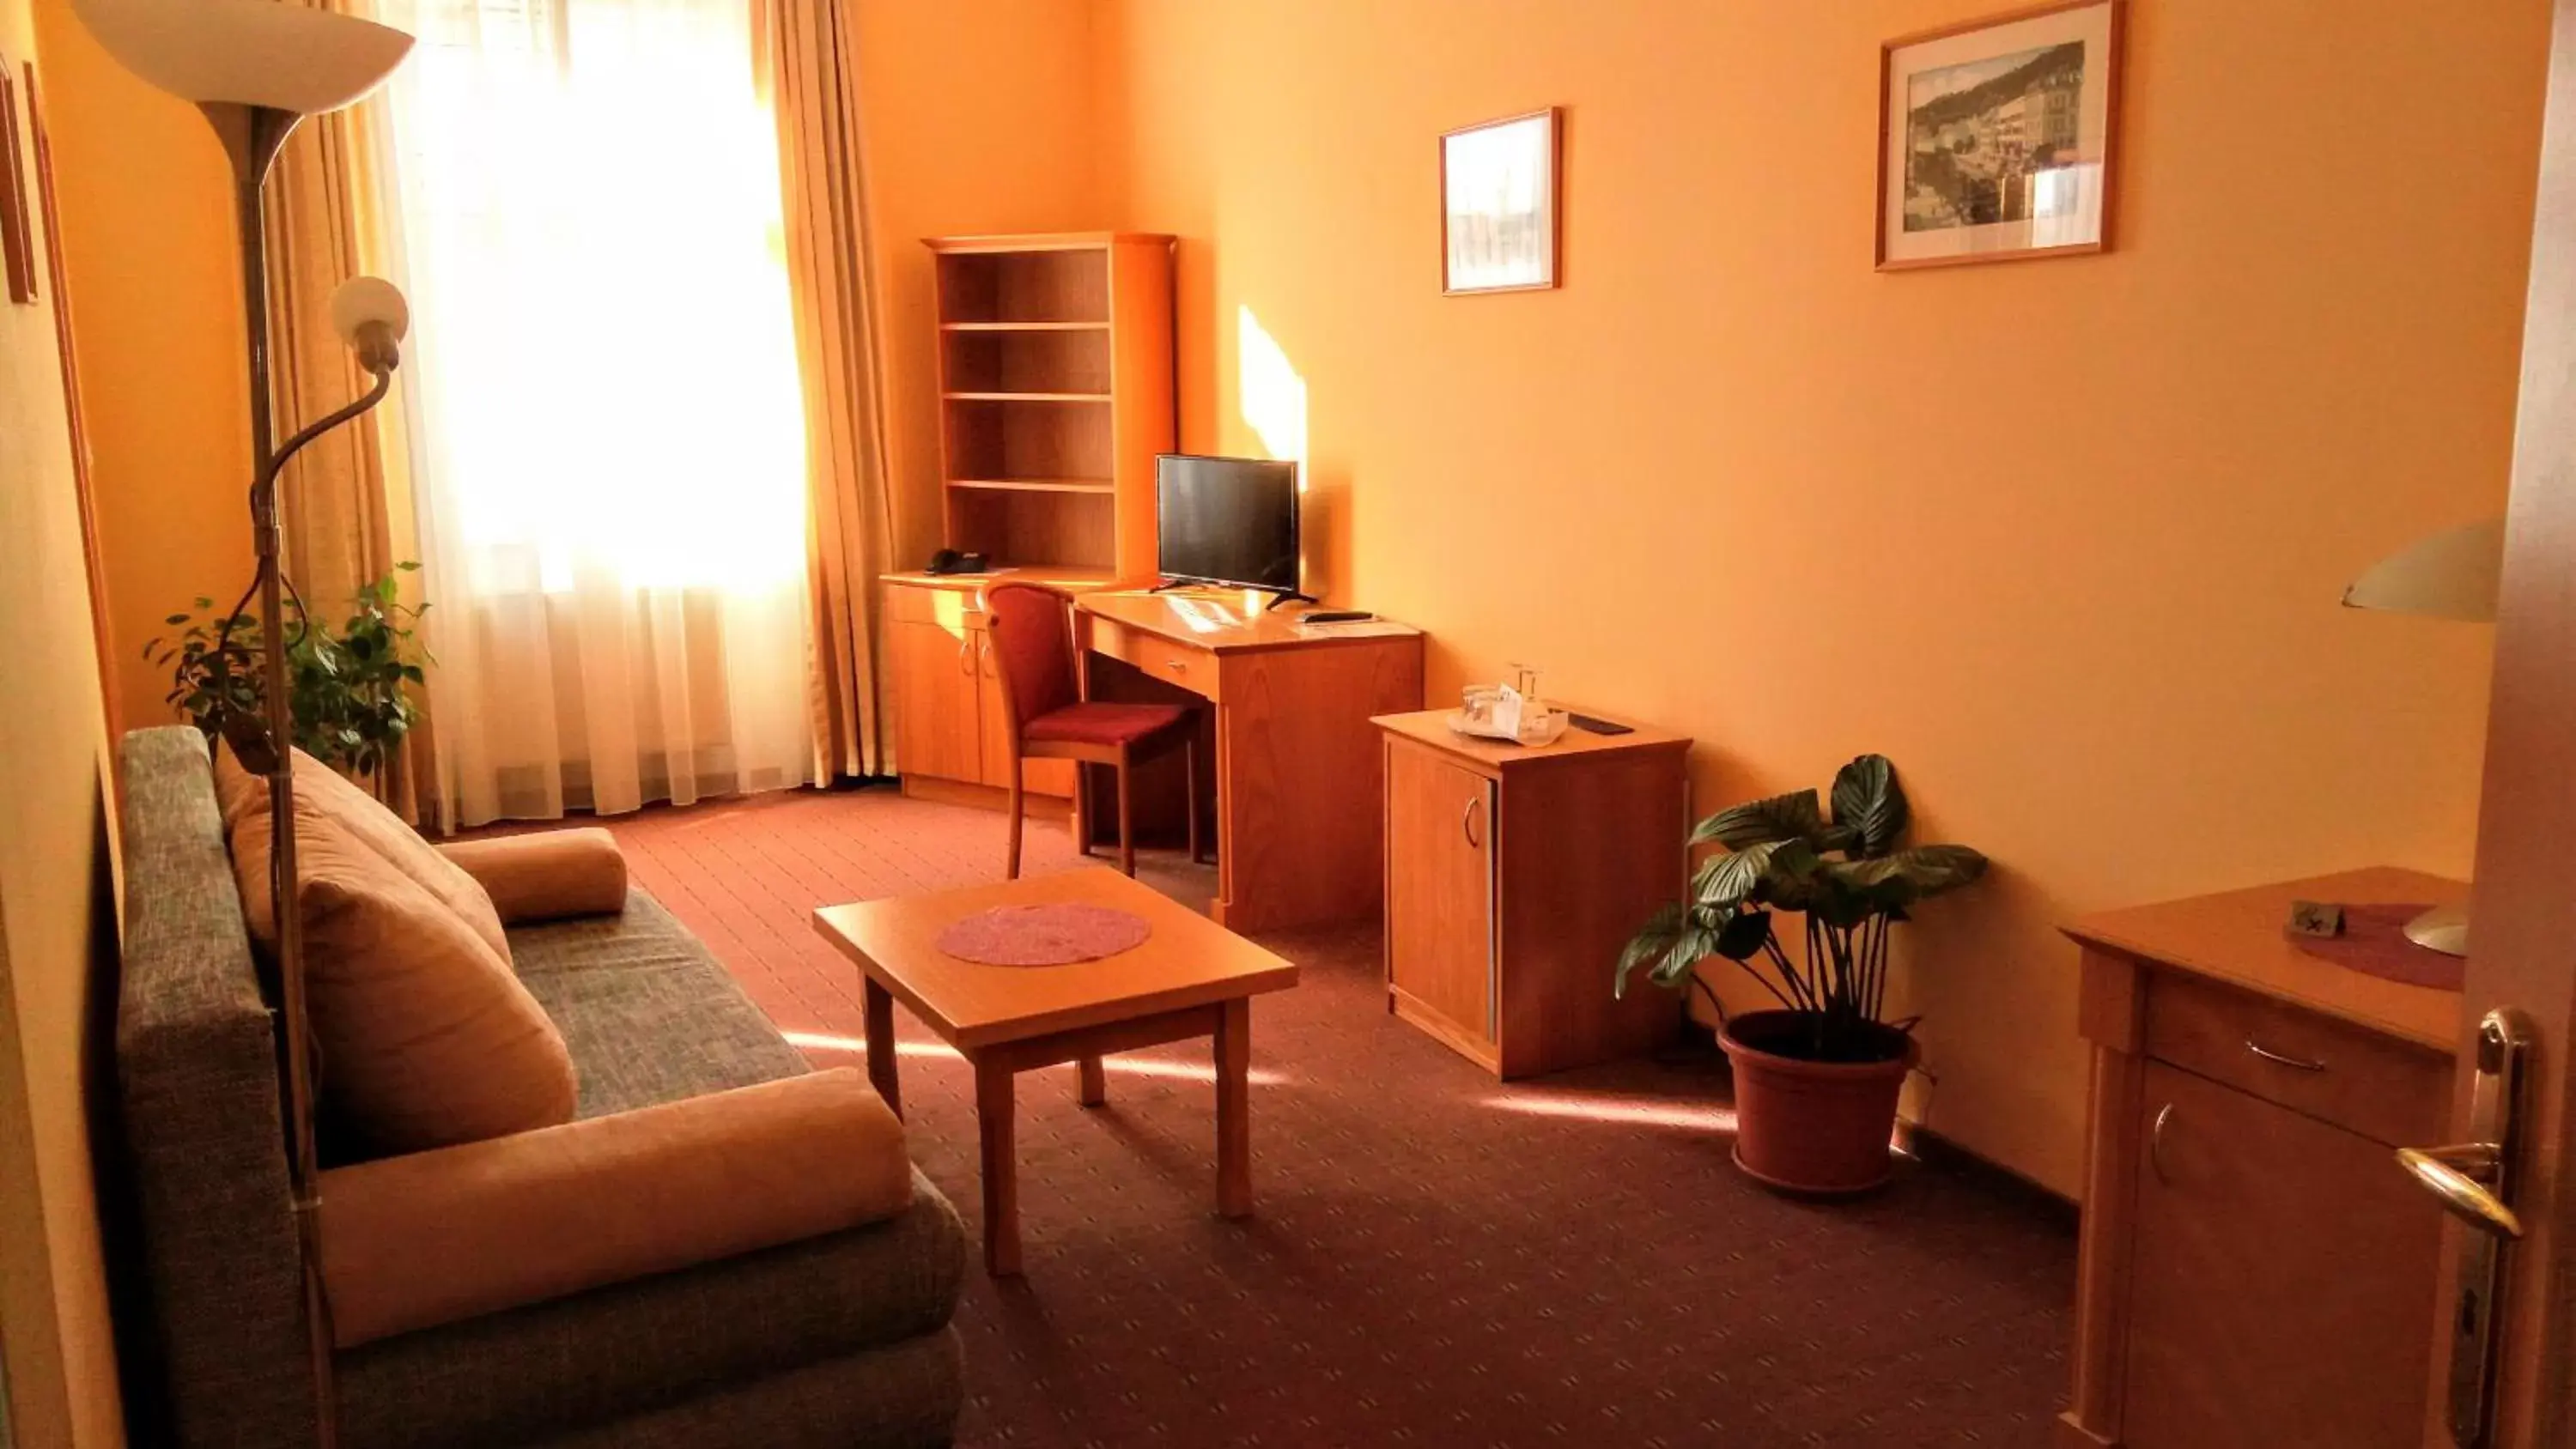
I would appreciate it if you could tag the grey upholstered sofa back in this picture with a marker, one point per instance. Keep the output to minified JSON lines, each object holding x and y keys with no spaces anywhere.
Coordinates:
{"x":203,"y":1120}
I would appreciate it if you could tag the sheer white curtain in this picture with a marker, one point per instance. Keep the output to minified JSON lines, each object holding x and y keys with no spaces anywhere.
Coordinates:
{"x":604,"y":410}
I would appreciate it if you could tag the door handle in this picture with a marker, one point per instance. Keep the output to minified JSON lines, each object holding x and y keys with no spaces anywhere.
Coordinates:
{"x":2475,"y":1182}
{"x":2156,"y":1144}
{"x":966,"y":655}
{"x":1467,"y":821}
{"x":2463,"y":1177}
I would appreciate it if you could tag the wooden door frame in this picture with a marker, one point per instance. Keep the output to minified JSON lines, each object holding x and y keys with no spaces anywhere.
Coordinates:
{"x":2523,"y":941}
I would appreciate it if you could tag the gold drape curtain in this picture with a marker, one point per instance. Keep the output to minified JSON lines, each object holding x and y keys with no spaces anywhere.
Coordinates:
{"x":339,"y":498}
{"x":812,"y":72}
{"x":346,"y":501}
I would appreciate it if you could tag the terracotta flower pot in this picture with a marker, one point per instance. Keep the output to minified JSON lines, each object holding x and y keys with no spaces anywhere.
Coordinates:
{"x":1803,"y":1126}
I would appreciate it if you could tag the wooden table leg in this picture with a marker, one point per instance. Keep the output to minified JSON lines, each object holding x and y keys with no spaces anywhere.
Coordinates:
{"x":1095,"y":1083}
{"x":1233,"y":1109}
{"x":993,"y":1114}
{"x":878,"y":1005}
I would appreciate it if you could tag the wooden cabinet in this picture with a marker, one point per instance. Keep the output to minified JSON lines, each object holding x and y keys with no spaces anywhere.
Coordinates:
{"x":2283,"y":1274}
{"x":931,"y":676}
{"x":1440,"y":894}
{"x":951,"y":728}
{"x":1514,"y":876}
{"x":2255,"y":1268}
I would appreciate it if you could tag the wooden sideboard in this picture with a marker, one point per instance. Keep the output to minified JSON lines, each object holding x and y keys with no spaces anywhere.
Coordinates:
{"x":1513,"y":878}
{"x":950,"y":729}
{"x":2256,"y":1270}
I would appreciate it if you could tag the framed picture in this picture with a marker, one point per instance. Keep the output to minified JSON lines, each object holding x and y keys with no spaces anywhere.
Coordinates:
{"x":17,"y":236}
{"x":1994,"y":137}
{"x":1498,"y":184}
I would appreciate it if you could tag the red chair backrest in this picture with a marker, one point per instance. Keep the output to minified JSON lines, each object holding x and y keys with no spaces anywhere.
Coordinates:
{"x":1033,"y":649}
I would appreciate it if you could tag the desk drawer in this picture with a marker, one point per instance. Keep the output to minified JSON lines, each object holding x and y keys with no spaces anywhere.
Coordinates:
{"x":1192,"y":669}
{"x":2393,"y":1092}
{"x":950,"y":609}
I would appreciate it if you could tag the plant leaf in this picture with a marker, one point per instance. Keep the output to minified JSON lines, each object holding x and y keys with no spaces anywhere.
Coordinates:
{"x":1653,"y":941}
{"x":1794,"y":816}
{"x":1870,"y":805}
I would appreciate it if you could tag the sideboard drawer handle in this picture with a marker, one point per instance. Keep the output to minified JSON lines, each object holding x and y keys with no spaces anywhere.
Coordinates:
{"x":2300,"y":1063}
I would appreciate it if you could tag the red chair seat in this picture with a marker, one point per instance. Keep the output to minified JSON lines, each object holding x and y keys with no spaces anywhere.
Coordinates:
{"x":1099,"y":723}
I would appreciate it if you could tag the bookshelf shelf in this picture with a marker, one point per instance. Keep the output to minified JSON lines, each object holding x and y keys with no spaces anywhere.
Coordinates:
{"x":1105,"y":487}
{"x":1062,"y":397}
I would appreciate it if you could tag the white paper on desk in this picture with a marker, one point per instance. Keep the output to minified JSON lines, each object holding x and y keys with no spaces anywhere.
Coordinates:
{"x":1507,"y":712}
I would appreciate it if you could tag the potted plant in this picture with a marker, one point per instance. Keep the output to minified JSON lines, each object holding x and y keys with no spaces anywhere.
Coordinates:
{"x":348,"y":687}
{"x":1815,"y":1081}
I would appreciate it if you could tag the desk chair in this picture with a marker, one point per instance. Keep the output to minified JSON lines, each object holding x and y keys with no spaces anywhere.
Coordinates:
{"x":1033,"y":650}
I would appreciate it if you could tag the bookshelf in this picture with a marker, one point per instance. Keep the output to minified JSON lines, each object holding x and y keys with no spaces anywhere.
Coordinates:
{"x":1055,"y":393}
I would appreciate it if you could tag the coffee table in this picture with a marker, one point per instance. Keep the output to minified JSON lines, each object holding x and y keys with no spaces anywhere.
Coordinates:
{"x":1190,"y":978}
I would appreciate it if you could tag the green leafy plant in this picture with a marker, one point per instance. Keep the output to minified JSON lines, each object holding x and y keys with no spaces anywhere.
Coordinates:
{"x":348,"y":687}
{"x":1849,"y":873}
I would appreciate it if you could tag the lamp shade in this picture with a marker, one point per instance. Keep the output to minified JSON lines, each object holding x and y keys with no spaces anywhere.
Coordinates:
{"x":2451,"y":575}
{"x":269,"y":53}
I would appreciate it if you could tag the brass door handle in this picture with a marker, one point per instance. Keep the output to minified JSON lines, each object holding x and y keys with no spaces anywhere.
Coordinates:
{"x":2298,"y":1063}
{"x":2464,"y":1177}
{"x":2156,"y":1144}
{"x":965,"y":655}
{"x":1467,"y":820}
{"x":2476,"y":1181}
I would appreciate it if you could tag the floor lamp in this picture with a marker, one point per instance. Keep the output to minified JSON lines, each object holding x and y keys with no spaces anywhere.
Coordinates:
{"x":2455,"y":574}
{"x":257,"y":68}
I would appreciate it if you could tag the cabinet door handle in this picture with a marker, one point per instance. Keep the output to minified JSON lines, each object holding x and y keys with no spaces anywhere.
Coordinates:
{"x":1467,"y":821}
{"x":1177,"y":666}
{"x":2300,"y":1063}
{"x":984,"y":653}
{"x":2156,"y":1144}
{"x":966,"y":655}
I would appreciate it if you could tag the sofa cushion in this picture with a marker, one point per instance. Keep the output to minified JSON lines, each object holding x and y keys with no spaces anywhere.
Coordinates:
{"x":367,"y":821}
{"x":545,"y":1214}
{"x":533,"y":1373}
{"x":647,"y":1014}
{"x":546,"y":875}
{"x":425,"y":1037}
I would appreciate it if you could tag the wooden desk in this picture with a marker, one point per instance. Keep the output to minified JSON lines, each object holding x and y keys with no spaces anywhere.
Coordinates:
{"x":1299,"y":786}
{"x":2255,"y":1269}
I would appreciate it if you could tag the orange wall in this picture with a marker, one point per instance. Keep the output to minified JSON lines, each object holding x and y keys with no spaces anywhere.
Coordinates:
{"x":56,"y":901}
{"x":2063,"y":538}
{"x":979,"y":118}
{"x":148,"y":235}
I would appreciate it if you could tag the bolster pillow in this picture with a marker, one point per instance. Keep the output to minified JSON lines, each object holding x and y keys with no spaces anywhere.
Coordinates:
{"x":455,"y":1233}
{"x":547,"y":875}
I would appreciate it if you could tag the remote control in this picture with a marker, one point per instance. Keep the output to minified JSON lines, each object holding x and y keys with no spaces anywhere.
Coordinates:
{"x":1597,"y":726}
{"x":1334,"y":616}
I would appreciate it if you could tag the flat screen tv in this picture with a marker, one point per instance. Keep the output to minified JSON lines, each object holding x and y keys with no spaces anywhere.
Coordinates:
{"x":1230,"y":521}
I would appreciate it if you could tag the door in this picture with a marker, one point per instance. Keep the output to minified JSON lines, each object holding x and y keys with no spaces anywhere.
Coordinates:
{"x":1440,"y":889}
{"x":1039,"y":777}
{"x":933,"y":669}
{"x":2262,"y":1233}
{"x":2522,"y":934}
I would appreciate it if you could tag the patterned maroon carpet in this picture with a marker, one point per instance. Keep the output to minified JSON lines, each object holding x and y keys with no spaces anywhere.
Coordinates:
{"x":1436,"y":1259}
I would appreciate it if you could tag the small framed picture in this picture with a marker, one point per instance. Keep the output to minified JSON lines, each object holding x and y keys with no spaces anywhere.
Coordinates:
{"x":1995,"y":137}
{"x":1498,"y":184}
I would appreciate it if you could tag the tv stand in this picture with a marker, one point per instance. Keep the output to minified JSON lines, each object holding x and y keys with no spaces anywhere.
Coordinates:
{"x":1278,"y":596}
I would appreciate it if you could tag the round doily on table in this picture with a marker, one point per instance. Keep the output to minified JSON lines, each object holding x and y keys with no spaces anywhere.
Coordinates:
{"x":1051,"y":935}
{"x":2374,"y":943}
